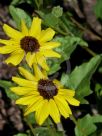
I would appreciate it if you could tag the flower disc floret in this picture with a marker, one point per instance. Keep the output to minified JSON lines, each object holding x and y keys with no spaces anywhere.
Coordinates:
{"x":47,"y":88}
{"x":29,"y":44}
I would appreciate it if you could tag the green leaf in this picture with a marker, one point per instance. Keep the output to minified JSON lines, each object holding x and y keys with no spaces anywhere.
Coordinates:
{"x":57,"y":11}
{"x":44,"y":131}
{"x":6,"y":85}
{"x":97,"y":119}
{"x":80,"y":77}
{"x":51,"y":20}
{"x":17,"y":2}
{"x":68,"y":45}
{"x":85,"y":126}
{"x":98,"y":9}
{"x":20,"y":134}
{"x":18,"y":15}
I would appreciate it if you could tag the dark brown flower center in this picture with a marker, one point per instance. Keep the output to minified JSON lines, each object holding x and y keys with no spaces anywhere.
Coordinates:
{"x":29,"y":44}
{"x":47,"y":88}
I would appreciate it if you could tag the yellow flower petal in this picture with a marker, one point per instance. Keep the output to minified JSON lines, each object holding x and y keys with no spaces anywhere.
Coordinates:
{"x":42,"y":61}
{"x":50,"y":53}
{"x":42,"y":113}
{"x":35,"y":27}
{"x":72,"y":101}
{"x":27,"y":100}
{"x":47,"y":35}
{"x":15,"y":58}
{"x":66,"y":92}
{"x":57,"y":83}
{"x":12,"y":32}
{"x":34,"y":106}
{"x":24,"y":82}
{"x":38,"y":73}
{"x":22,"y":90}
{"x":30,"y":58}
{"x":26,"y":74}
{"x":9,"y":42}
{"x":24,"y":28}
{"x":49,"y":45}
{"x":6,"y":49}
{"x":62,"y":106}
{"x":54,"y":112}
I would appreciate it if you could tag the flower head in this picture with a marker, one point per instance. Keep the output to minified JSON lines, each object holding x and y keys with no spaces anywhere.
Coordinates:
{"x":43,"y":96}
{"x":33,"y":44}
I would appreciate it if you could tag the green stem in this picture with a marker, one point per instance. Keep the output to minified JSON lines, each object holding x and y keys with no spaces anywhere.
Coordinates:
{"x":30,"y":126}
{"x":73,"y":119}
{"x":60,"y":31}
{"x":50,"y":129}
{"x":90,"y":51}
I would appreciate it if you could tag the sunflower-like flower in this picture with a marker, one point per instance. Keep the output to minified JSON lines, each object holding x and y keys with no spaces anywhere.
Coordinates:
{"x":43,"y":96}
{"x":33,"y":44}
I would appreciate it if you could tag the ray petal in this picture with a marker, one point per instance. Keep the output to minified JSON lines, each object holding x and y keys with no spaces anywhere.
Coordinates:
{"x":12,"y":32}
{"x":47,"y":35}
{"x":35,"y":27}
{"x":54,"y":112}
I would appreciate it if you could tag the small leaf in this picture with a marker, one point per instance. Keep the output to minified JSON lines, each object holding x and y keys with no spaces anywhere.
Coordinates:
{"x":57,"y":11}
{"x":98,"y":9}
{"x":85,"y":126}
{"x":97,"y":119}
{"x":18,"y":15}
{"x":43,"y":131}
{"x":6,"y":85}
{"x":79,"y":79}
{"x":21,"y":134}
{"x":68,"y":45}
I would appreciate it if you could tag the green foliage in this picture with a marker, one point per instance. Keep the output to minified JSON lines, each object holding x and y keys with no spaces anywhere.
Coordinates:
{"x":98,"y":9}
{"x":68,"y":45}
{"x":44,"y":131}
{"x":18,"y":15}
{"x":57,"y":11}
{"x":80,"y":77}
{"x":6,"y":85}
{"x":17,"y":2}
{"x":21,"y":134}
{"x":86,"y":125}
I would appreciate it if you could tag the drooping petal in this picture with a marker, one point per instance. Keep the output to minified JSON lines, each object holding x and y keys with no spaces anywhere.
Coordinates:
{"x":24,"y":82}
{"x":47,"y":35}
{"x":22,"y":90}
{"x":49,"y":45}
{"x":31,"y":58}
{"x":54,"y":112}
{"x":27,"y":100}
{"x":38,"y":73}
{"x":62,"y":106}
{"x":34,"y":106}
{"x":72,"y":101}
{"x":15,"y":58}
{"x":35,"y":29}
{"x":26,"y":74}
{"x":51,"y":53}
{"x":24,"y":28}
{"x":12,"y":32}
{"x":42,"y":112}
{"x":42,"y":61}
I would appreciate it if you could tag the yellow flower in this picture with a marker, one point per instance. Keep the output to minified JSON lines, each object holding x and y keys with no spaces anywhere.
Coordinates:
{"x":43,"y":96}
{"x":33,"y":44}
